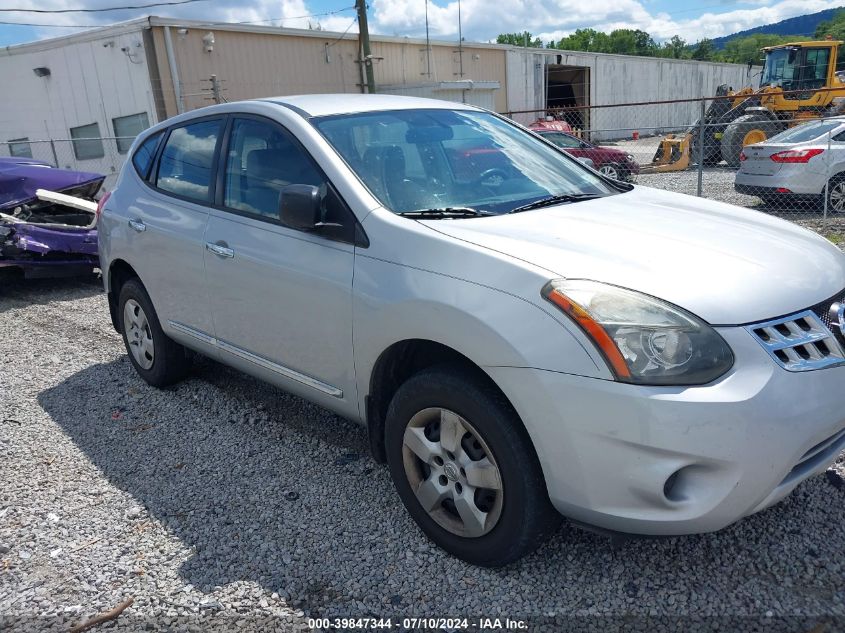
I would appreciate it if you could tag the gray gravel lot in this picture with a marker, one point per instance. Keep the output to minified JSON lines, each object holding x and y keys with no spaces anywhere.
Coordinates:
{"x":224,"y":498}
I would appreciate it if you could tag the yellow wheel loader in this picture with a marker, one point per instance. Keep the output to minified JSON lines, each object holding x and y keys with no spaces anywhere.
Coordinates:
{"x":799,"y":82}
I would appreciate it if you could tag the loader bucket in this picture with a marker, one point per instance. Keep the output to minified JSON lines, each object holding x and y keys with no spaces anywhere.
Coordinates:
{"x":673,"y":154}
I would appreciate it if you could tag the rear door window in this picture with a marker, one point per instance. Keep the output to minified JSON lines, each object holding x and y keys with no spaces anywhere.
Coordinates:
{"x":187,"y":160}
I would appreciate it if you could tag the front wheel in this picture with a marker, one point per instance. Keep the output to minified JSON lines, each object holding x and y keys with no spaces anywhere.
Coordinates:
{"x":610,"y":170}
{"x":747,"y":130}
{"x":465,"y":468}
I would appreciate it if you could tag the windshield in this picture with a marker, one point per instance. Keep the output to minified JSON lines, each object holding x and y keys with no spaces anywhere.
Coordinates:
{"x":796,"y":69}
{"x":806,"y":132}
{"x":561,"y":140}
{"x":413,"y":160}
{"x":780,"y":67}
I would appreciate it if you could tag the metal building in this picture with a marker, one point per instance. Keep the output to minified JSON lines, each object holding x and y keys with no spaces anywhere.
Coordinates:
{"x":116,"y":80}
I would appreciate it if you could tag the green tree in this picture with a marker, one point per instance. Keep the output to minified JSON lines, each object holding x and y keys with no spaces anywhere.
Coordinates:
{"x":519,"y":39}
{"x":743,"y":50}
{"x":632,"y":42}
{"x":835,"y":27}
{"x":588,"y":40}
{"x":704,"y":50}
{"x":620,"y":41}
{"x":674,"y":48}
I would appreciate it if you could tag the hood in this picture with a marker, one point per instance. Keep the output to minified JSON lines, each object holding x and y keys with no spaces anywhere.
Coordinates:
{"x":726,"y":264}
{"x":20,"y":178}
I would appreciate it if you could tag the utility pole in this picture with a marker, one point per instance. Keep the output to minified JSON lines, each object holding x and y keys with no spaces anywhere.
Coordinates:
{"x":364,"y":44}
{"x":427,"y":42}
{"x":460,"y":43}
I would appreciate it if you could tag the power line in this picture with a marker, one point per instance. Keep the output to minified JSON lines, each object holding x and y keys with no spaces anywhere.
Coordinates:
{"x":137,"y":6}
{"x":342,"y":35}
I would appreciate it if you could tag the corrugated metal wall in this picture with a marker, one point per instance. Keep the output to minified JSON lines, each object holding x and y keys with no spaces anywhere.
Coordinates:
{"x":625,"y":79}
{"x":256,"y":64}
{"x":91,"y":80}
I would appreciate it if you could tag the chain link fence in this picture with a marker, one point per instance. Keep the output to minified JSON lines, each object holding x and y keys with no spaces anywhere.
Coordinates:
{"x":693,"y":146}
{"x":103,"y":155}
{"x":681,"y":145}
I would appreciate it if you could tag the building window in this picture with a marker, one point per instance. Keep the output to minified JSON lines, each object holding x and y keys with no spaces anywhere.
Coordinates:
{"x":87,"y":143}
{"x":20,"y":147}
{"x":126,"y":128}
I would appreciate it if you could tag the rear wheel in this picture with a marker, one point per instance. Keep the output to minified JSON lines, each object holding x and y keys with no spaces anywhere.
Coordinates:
{"x":836,"y":194}
{"x":465,"y":468}
{"x":746,"y":130}
{"x":158,"y":359}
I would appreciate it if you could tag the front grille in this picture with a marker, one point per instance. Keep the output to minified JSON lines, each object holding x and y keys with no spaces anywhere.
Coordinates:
{"x":799,"y":342}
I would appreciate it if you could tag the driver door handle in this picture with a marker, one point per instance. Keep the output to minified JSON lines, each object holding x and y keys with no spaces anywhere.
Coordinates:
{"x":220,"y":248}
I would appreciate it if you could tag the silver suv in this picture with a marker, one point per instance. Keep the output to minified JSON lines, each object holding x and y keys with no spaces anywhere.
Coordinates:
{"x":522,"y":337}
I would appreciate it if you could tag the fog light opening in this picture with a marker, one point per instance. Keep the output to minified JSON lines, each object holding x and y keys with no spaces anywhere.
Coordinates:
{"x":673,"y":487}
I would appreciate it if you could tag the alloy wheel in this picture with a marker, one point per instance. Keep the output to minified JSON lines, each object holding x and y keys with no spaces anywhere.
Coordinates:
{"x":610,"y":171}
{"x":836,"y":196}
{"x":452,"y":472}
{"x":136,"y":328}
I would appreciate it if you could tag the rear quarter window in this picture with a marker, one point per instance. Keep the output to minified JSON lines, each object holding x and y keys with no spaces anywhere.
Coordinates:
{"x":143,"y":157}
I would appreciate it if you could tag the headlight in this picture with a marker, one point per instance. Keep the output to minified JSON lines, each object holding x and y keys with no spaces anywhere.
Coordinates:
{"x":630,"y":157}
{"x":645,"y":340}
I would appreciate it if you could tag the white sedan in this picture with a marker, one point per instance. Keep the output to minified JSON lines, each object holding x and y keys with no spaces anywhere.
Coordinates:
{"x":796,"y":165}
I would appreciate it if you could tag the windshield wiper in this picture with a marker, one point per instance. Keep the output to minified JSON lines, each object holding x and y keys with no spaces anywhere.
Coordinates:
{"x":553,"y":200}
{"x":444,"y":212}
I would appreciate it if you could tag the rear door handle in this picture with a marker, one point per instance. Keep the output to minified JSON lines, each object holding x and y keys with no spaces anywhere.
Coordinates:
{"x":220,"y":249}
{"x":138,"y":225}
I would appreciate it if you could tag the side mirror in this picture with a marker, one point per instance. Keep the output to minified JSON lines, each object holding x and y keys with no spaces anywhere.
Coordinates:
{"x":299,"y":207}
{"x":585,"y":145}
{"x":587,"y":161}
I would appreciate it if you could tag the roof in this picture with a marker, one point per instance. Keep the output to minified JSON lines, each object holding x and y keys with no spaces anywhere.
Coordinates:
{"x":806,"y":44}
{"x":327,"y":104}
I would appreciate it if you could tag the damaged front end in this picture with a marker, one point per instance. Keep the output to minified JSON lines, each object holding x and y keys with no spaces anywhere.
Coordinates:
{"x":42,"y":233}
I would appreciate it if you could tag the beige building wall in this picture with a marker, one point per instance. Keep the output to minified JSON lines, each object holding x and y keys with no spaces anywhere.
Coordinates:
{"x":254,"y":64}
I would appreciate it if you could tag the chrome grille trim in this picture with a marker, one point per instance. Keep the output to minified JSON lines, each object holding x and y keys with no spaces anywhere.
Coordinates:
{"x":799,"y":342}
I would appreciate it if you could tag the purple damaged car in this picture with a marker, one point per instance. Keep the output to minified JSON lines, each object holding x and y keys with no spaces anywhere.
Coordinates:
{"x":46,"y":239}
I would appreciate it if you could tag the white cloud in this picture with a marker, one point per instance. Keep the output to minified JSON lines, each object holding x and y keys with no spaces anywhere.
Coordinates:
{"x":481,"y":19}
{"x":552,"y":19}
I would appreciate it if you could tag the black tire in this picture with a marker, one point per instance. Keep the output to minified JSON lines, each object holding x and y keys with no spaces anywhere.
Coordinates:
{"x":733,"y":138}
{"x":170,"y":362}
{"x":526,"y":516}
{"x":712,"y":150}
{"x":836,"y":194}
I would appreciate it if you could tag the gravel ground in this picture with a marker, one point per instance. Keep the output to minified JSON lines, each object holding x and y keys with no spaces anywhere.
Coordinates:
{"x":223,"y":499}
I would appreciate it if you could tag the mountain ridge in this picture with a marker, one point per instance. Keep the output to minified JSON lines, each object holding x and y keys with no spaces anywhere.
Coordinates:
{"x":800,"y":25}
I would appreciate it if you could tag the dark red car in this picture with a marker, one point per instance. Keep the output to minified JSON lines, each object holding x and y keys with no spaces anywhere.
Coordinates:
{"x":607,"y":160}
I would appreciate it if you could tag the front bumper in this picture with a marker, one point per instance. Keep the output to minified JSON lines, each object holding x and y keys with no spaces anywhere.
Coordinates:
{"x":680,"y":460}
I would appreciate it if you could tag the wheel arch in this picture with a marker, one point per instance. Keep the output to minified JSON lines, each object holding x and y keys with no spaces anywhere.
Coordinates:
{"x":119,"y":272}
{"x":395,"y":365}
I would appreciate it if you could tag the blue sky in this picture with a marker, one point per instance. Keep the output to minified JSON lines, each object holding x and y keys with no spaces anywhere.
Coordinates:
{"x":550,"y":19}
